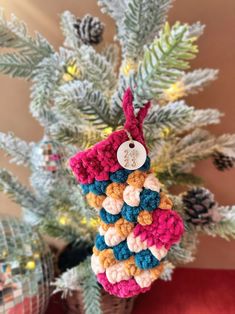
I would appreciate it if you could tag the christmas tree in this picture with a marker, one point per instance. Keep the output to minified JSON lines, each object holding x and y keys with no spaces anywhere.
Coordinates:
{"x":76,"y":96}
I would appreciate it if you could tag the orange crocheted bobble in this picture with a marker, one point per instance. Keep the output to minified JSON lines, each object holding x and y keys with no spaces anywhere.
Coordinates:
{"x":137,"y":178}
{"x":145,"y":218}
{"x":156,"y":271}
{"x":95,"y":251}
{"x":95,"y":200}
{"x":130,"y":267}
{"x":123,"y":227}
{"x":115,"y":190}
{"x":106,"y":258}
{"x":166,"y":202}
{"x":105,"y":226}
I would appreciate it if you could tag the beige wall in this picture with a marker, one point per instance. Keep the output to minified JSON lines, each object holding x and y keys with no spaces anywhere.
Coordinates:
{"x":217,"y":50}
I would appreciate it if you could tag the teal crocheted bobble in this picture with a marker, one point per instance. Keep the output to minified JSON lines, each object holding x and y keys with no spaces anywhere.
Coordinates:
{"x":130,"y":213}
{"x":119,"y":176}
{"x":149,"y":200}
{"x":145,"y":260}
{"x":100,"y":243}
{"x":121,"y":251}
{"x":99,"y":187}
{"x":146,"y":165}
{"x":85,"y":188}
{"x":108,"y":218}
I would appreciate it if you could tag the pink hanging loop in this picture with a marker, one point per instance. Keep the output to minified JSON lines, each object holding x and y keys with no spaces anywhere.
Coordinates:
{"x":134,"y":124}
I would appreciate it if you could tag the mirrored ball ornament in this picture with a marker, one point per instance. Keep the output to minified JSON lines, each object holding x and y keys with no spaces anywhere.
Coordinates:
{"x":26,"y":269}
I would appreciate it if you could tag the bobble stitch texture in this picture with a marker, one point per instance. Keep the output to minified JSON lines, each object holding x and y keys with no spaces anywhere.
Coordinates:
{"x":146,"y":165}
{"x":105,"y":226}
{"x":149,"y":200}
{"x":95,"y":200}
{"x":123,"y":227}
{"x":109,"y":218}
{"x":131,"y":195}
{"x":130,"y":267}
{"x":112,"y":237}
{"x":145,"y":218}
{"x":119,"y":176}
{"x":116,"y":273}
{"x":107,"y":258}
{"x":122,"y":289}
{"x":144,"y":279}
{"x":112,"y":206}
{"x":166,"y":229}
{"x":130,"y":213}
{"x":146,"y":260}
{"x":100,"y":243}
{"x":158,"y":253}
{"x":136,"y":179}
{"x":135,"y":233}
{"x":96,"y":265}
{"x":85,"y":188}
{"x":99,"y":187}
{"x":135,"y":244}
{"x":165,"y":202}
{"x":121,"y":251}
{"x":152,"y":183}
{"x":115,"y":190}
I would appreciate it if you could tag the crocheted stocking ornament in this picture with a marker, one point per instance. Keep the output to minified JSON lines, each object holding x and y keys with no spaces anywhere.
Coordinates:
{"x":138,"y":225}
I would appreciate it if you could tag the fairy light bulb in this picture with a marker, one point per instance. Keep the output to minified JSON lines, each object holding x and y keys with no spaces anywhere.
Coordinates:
{"x":175,"y":91}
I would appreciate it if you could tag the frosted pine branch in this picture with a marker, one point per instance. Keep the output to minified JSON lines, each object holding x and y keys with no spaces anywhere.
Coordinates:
{"x":18,"y":149}
{"x":81,"y":278}
{"x":96,"y":69}
{"x":173,"y":116}
{"x":163,"y":62}
{"x":143,"y":20}
{"x":14,"y":34}
{"x":67,"y":26}
{"x":111,"y":53}
{"x":82,"y":136}
{"x":17,"y":65}
{"x":196,"y":80}
{"x":196,"y":30}
{"x":20,"y":194}
{"x":82,"y":97}
{"x":45,"y":82}
{"x":224,"y":228}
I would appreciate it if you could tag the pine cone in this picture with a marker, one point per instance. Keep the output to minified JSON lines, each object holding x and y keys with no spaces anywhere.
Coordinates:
{"x":74,"y":254}
{"x":89,"y":30}
{"x":199,"y":203}
{"x":223,"y":162}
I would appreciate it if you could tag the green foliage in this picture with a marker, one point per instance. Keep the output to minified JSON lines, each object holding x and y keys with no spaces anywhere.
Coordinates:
{"x":179,"y":178}
{"x":143,"y":20}
{"x":198,"y":145}
{"x":45,"y":82}
{"x":20,"y":194}
{"x":96,"y":69}
{"x":173,"y":116}
{"x":28,"y":51}
{"x":16,"y":65}
{"x":90,"y":288}
{"x":83,"y":279}
{"x":83,"y":137}
{"x":111,"y":54}
{"x":163,"y":62}
{"x":67,"y":21}
{"x":18,"y":149}
{"x":224,"y":228}
{"x":81,"y":96}
{"x":196,"y":80}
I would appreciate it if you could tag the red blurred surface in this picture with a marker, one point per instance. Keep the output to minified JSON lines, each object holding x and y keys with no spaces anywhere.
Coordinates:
{"x":192,"y":291}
